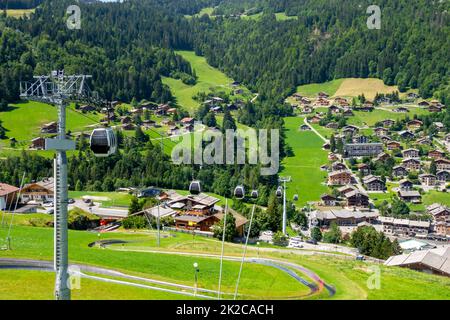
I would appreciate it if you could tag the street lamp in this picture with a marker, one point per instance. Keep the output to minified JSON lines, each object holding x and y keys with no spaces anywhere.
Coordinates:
{"x":196,"y":270}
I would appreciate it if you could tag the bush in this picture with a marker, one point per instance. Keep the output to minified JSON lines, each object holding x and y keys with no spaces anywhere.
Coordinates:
{"x":135,"y":222}
{"x":316,"y":234}
{"x":81,"y":220}
{"x":279,"y":239}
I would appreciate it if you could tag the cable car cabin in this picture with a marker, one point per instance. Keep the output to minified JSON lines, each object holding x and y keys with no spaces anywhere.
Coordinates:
{"x":103,"y":142}
{"x":279,"y":192}
{"x":255,"y":194}
{"x":194,"y":187}
{"x":239,"y":192}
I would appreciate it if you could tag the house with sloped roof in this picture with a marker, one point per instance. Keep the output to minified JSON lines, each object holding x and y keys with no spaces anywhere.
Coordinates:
{"x":8,"y":195}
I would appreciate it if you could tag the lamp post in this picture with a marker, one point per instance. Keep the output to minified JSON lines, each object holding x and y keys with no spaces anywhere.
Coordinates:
{"x":196,"y":270}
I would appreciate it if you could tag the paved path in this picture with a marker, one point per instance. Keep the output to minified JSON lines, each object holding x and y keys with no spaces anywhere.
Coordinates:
{"x":305,"y":120}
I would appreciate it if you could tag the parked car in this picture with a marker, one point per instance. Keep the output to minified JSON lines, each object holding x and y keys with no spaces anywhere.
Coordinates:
{"x":70,"y":200}
{"x":50,"y":211}
{"x":87,"y":200}
{"x":360,"y":257}
{"x":311,"y":241}
{"x":48,"y":204}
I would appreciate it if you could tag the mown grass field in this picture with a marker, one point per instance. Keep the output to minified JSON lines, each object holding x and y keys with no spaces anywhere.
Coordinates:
{"x":349,"y":277}
{"x":257,"y":280}
{"x":311,"y":90}
{"x":361,"y":118}
{"x":208,"y":78}
{"x":304,"y":166}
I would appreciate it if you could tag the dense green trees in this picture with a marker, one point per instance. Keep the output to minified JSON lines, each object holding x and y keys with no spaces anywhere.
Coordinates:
{"x":375,"y":244}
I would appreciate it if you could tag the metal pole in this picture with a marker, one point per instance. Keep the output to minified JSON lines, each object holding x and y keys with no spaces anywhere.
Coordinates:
{"x":223,"y":242}
{"x":284,"y":208}
{"x":157,"y":225}
{"x":62,"y":291}
{"x":245,"y":251}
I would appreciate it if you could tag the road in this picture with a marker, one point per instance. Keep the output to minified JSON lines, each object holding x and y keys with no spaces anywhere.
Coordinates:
{"x":97,"y":210}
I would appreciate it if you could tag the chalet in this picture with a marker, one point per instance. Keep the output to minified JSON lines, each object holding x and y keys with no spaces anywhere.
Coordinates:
{"x":406,"y":185}
{"x":345,"y":189}
{"x":441,"y":218}
{"x":148,"y":123}
{"x":136,"y":111}
{"x":424,"y":103}
{"x":328,"y":200}
{"x":342,"y":102}
{"x":216,"y":109}
{"x":414,"y":124}
{"x":149,"y":105}
{"x":332,"y":125}
{"x":439,"y":125}
{"x":162,"y":109}
{"x":373,"y":183}
{"x":362,"y":149}
{"x":406,"y":134}
{"x":38,"y":143}
{"x":404,"y":227}
{"x":334,"y":109}
{"x":305,"y":100}
{"x":240,"y":221}
{"x":172,"y":111}
{"x":167,"y":122}
{"x":8,"y":196}
{"x":322,"y":95}
{"x":193,"y":222}
{"x":443,"y":176}
{"x":87,"y":108}
{"x":348,"y":113}
{"x":388,"y":123}
{"x":363,"y":168}
{"x":186,"y":121}
{"x":442,"y":164}
{"x":356,"y":198}
{"x":343,"y":217}
{"x":436,"y":154}
{"x":40,"y":191}
{"x":332,"y":156}
{"x":337,"y":166}
{"x":51,"y":127}
{"x":434,"y":108}
{"x":428,"y":179}
{"x":173,"y":130}
{"x":326,"y":146}
{"x":365,"y":108}
{"x":436,"y":103}
{"x":410,"y":153}
{"x":307,"y":109}
{"x":412,"y":96}
{"x":411,"y":164}
{"x":315,"y":119}
{"x":115,"y":103}
{"x":424,"y":141}
{"x":401,"y":110}
{"x":125,"y":120}
{"x":297,"y":96}
{"x":392,"y":145}
{"x":128,"y":126}
{"x":447,"y":138}
{"x":399,"y":171}
{"x":350,"y":130}
{"x":382,"y":157}
{"x":217,"y":99}
{"x":385,"y":139}
{"x":339,"y":178}
{"x":322,"y":102}
{"x":410,"y":196}
{"x":380,"y":131}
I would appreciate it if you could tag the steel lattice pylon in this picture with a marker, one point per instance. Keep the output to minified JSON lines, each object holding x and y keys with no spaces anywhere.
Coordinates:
{"x":59,"y":89}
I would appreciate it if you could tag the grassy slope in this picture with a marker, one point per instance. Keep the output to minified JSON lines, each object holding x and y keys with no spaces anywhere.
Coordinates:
{"x":370,"y":118}
{"x":23,"y":120}
{"x":311,"y":90}
{"x":304,"y":166}
{"x":256,"y":280}
{"x":17,"y":13}
{"x":208,"y":77}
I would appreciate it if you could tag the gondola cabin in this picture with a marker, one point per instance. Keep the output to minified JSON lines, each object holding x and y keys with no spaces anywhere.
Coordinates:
{"x":103,"y":142}
{"x":194,"y":187}
{"x":239,"y":192}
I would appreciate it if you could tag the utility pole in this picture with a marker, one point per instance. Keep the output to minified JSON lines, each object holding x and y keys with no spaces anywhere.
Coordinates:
{"x":58,"y":89}
{"x":284,"y":180}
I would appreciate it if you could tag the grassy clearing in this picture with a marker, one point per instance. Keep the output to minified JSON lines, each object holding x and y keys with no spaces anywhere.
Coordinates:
{"x":361,"y":118}
{"x":23,"y":121}
{"x":120,"y":199}
{"x":17,"y":13}
{"x":304,"y":166}
{"x":208,"y":78}
{"x":311,"y":90}
{"x":352,"y":87}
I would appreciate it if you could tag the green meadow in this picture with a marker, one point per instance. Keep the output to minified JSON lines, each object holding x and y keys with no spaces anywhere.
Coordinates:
{"x":304,"y":166}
